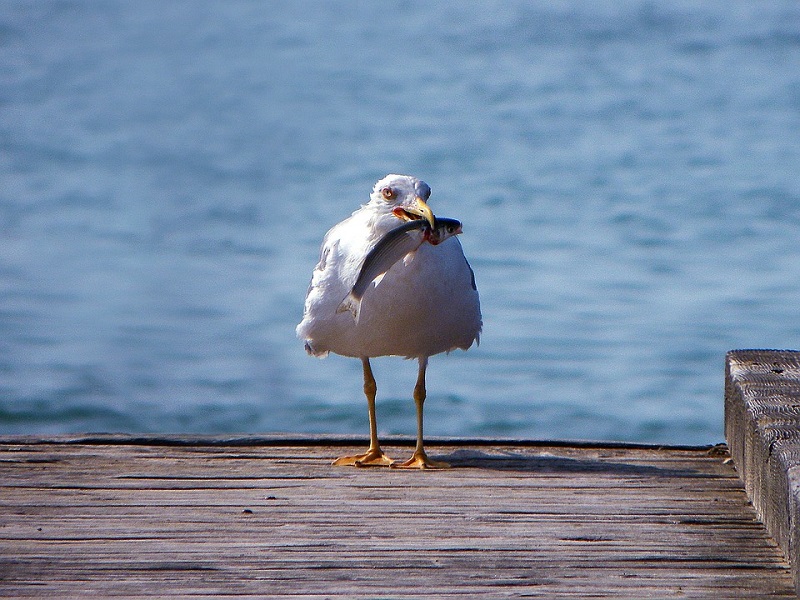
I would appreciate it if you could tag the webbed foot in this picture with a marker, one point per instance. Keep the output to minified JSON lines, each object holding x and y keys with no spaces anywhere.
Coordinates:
{"x":420,"y":460}
{"x":371,"y":458}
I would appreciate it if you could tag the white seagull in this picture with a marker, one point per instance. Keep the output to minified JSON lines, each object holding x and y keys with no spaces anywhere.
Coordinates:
{"x":425,"y":304}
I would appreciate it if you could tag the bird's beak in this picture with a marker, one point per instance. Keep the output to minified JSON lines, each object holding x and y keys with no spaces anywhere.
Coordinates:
{"x":422,"y":210}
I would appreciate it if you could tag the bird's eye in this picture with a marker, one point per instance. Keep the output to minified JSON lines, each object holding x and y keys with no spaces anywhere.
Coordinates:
{"x":388,"y":193}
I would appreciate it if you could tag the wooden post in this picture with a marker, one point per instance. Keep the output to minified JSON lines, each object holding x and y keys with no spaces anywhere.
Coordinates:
{"x":762,"y":426}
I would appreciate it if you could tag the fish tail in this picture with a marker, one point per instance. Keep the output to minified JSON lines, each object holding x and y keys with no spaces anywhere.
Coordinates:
{"x":352,"y":304}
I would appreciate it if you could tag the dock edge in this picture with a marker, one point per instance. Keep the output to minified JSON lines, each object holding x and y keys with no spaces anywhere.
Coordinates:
{"x":762,"y":428}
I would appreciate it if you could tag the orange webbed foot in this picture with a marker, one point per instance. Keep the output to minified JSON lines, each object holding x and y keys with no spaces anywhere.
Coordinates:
{"x":420,"y":460}
{"x":371,"y":458}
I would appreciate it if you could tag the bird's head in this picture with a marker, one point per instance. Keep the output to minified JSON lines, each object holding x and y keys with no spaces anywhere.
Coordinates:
{"x":404,"y":196}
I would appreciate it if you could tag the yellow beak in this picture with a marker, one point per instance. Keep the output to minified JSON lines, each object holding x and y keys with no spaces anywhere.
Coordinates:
{"x":421,"y":209}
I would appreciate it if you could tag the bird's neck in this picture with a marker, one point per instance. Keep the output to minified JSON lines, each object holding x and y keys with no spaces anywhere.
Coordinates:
{"x":380,"y":220}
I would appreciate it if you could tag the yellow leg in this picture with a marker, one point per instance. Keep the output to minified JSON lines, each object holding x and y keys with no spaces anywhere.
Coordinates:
{"x":374,"y":457}
{"x":420,"y":460}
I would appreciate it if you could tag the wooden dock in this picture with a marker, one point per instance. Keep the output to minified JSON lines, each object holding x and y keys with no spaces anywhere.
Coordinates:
{"x":121,"y":516}
{"x":269,"y":518}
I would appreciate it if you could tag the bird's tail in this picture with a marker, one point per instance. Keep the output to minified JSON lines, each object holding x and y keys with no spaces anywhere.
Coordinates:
{"x":351,"y":303}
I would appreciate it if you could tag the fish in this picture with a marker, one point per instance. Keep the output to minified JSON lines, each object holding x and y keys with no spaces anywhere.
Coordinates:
{"x":393,"y":246}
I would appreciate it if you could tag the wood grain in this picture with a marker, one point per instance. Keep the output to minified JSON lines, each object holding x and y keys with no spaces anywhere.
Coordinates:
{"x":762,"y":424}
{"x":138,"y":518}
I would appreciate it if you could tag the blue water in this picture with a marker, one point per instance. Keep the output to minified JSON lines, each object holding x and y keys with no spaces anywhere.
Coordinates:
{"x":627,"y":173}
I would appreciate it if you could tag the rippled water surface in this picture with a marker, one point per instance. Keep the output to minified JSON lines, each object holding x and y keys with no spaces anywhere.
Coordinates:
{"x":627,"y":175}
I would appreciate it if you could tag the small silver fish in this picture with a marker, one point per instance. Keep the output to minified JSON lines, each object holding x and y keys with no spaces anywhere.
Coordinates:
{"x":393,"y":246}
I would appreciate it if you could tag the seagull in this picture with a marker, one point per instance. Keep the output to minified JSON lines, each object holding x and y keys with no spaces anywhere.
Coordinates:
{"x":425,"y":304}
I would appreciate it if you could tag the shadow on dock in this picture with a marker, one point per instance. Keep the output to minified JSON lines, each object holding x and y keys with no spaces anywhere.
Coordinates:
{"x":542,"y":464}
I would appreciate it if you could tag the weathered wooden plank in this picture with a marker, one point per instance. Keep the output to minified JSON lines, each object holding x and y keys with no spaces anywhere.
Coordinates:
{"x":762,"y":423}
{"x":551,"y":521}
